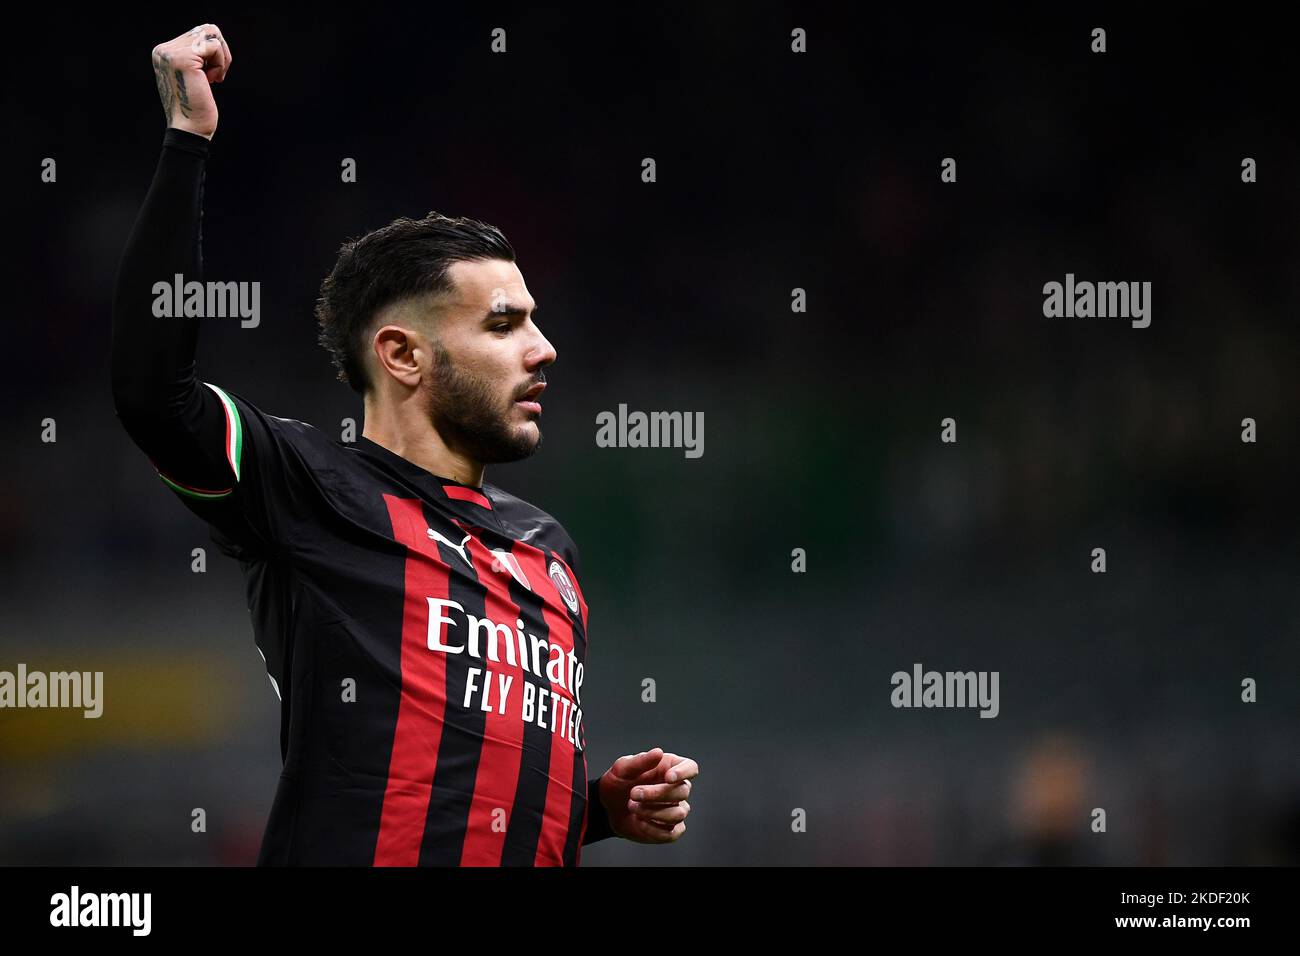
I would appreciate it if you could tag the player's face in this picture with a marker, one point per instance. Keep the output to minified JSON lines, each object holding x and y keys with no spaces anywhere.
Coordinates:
{"x":484,"y":393}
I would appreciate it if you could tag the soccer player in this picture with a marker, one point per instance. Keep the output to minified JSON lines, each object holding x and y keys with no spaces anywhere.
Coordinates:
{"x":425,"y":631}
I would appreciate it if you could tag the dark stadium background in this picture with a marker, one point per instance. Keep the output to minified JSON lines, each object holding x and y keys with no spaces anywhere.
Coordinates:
{"x":775,"y":171}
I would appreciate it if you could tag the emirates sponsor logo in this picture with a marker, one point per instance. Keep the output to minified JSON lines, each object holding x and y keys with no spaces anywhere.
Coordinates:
{"x":553,"y":701}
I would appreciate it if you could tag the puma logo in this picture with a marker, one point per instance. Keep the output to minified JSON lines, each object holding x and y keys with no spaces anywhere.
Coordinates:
{"x":458,"y":548}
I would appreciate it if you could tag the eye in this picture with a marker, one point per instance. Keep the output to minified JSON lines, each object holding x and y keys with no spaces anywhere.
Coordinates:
{"x":501,"y":327}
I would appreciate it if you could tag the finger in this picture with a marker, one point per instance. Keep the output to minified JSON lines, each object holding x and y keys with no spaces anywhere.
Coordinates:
{"x":214,"y":61}
{"x":214,"y":57}
{"x":655,"y":773}
{"x":680,"y":768}
{"x":685,"y":770}
{"x":654,"y":833}
{"x":208,"y":49}
{"x":670,"y":815}
{"x":633,"y":766}
{"x":225,"y":53}
{"x":665,"y":761}
{"x":661,"y":792}
{"x":206,"y":43}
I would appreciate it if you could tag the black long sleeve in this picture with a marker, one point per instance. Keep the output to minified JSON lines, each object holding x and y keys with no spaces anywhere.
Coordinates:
{"x":597,"y":818}
{"x":161,"y":403}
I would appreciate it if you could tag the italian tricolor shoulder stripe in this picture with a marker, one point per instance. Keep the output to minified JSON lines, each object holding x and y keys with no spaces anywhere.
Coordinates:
{"x":234,"y":430}
{"x":193,"y":492}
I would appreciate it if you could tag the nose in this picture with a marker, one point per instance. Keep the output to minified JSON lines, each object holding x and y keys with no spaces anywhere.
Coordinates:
{"x":542,"y":352}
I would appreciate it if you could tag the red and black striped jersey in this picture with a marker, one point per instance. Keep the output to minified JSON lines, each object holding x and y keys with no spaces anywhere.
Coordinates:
{"x":427,"y":639}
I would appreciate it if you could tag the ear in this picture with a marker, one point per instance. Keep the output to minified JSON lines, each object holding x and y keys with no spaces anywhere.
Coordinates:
{"x":399,"y":352}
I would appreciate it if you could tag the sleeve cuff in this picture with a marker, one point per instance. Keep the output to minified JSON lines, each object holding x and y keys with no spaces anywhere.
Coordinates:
{"x":598,"y":827}
{"x":188,"y":142}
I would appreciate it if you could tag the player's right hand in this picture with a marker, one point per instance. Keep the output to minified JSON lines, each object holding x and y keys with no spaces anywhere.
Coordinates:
{"x":184,"y":69}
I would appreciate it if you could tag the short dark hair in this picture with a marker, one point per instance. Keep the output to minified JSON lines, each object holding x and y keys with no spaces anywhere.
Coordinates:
{"x":406,"y":258}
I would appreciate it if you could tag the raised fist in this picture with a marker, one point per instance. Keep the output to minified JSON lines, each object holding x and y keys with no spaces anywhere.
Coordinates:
{"x":184,"y":69}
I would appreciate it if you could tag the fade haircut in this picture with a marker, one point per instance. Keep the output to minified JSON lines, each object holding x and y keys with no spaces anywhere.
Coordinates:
{"x":406,"y":259}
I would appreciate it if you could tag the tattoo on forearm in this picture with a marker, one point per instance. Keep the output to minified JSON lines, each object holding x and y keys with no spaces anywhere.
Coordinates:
{"x":171,"y":86}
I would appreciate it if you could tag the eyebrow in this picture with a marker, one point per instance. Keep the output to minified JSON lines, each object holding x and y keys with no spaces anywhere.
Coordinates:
{"x":509,"y":310}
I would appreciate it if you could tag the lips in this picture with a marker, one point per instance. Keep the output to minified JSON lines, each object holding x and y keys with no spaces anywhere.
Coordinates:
{"x":526,"y":401}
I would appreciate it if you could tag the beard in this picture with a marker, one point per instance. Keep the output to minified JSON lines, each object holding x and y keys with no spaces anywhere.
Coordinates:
{"x":472,"y":417}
